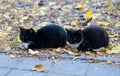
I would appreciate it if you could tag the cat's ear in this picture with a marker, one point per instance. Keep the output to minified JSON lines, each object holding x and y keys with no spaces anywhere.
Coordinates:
{"x":66,"y":30}
{"x":31,"y":30}
{"x":79,"y":31}
{"x":20,"y":28}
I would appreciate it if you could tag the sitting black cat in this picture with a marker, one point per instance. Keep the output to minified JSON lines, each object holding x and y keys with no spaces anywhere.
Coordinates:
{"x":50,"y":36}
{"x":91,"y":37}
{"x":73,"y":38}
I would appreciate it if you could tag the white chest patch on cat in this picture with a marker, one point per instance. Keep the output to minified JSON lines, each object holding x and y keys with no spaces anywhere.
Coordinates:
{"x":73,"y":45}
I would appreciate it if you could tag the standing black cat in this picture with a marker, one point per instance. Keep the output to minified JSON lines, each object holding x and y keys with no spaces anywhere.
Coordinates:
{"x":50,"y":36}
{"x":91,"y":37}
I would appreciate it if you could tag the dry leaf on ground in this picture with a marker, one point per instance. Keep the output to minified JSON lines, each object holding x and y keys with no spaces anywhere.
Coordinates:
{"x":38,"y":68}
{"x":33,"y":52}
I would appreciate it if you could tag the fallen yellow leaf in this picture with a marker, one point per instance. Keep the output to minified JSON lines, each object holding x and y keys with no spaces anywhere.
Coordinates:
{"x":79,"y":7}
{"x":1,"y":20}
{"x":57,"y":50}
{"x":115,"y":49}
{"x":109,"y":62}
{"x":70,"y":52}
{"x":7,"y":48}
{"x":36,"y":9}
{"x":18,"y":38}
{"x":110,"y":9}
{"x":38,"y":67}
{"x":88,"y":15}
{"x":117,"y":25}
{"x":111,"y":33}
{"x":9,"y":28}
{"x":2,"y":35}
{"x":73,"y":23}
{"x":87,"y":52}
{"x":6,"y":15}
{"x":4,"y":27}
{"x":25,"y":17}
{"x":102,"y":23}
{"x":11,"y":1}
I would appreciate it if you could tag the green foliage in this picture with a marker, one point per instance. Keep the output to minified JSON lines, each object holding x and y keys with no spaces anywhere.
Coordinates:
{"x":15,"y":43}
{"x":14,"y":16}
{"x":109,"y":4}
{"x":117,"y":7}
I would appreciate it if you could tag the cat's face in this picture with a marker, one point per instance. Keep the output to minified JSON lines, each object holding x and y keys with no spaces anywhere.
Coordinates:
{"x":27,"y":35}
{"x":73,"y":36}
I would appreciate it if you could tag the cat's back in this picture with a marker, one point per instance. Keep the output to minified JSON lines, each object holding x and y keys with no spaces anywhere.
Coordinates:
{"x":94,"y":28}
{"x":51,"y":36}
{"x":51,"y":28}
{"x":52,"y":31}
{"x":97,"y":35}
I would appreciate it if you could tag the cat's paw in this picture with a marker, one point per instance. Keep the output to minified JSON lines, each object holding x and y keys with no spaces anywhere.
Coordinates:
{"x":24,"y":45}
{"x":31,"y":46}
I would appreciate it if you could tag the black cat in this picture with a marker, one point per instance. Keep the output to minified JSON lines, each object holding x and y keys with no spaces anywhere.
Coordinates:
{"x":91,"y":37}
{"x":50,"y":36}
{"x":73,"y":38}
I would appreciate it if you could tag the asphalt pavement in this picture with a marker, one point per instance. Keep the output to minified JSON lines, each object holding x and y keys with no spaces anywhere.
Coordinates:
{"x":65,"y":66}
